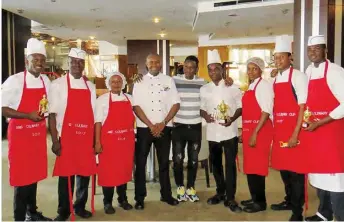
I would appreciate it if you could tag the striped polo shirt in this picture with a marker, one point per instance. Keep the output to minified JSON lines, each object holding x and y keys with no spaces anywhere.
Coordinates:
{"x":189,"y":92}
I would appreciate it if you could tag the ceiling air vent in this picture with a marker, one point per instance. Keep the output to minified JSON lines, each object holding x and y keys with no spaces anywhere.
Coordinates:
{"x":236,"y":2}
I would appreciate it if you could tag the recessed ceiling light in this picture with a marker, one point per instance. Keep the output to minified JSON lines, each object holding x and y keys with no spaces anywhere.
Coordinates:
{"x":156,"y":20}
{"x":171,"y":44}
{"x":52,"y":38}
{"x":53,"y":47}
{"x":44,"y":43}
{"x":232,"y":15}
{"x":92,"y":37}
{"x":162,"y":35}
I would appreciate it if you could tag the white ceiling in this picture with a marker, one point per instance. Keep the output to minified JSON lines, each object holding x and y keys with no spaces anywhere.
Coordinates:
{"x":119,"y":20}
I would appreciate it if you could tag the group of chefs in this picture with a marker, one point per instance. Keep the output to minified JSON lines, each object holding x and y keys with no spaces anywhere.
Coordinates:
{"x":293,"y":124}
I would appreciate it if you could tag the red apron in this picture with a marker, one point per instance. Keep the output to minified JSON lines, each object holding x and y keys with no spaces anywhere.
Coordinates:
{"x":256,"y":159}
{"x":326,"y":144}
{"x":77,"y":154}
{"x":286,"y":111}
{"x":118,"y":141}
{"x":27,"y":141}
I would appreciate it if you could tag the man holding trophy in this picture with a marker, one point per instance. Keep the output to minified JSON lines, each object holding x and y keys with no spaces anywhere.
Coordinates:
{"x":220,"y":107}
{"x":324,"y":126}
{"x":24,"y":102}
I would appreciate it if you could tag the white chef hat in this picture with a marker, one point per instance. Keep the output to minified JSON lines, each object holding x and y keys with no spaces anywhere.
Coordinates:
{"x":283,"y":44}
{"x":77,"y":53}
{"x":213,"y":57}
{"x":108,"y":77}
{"x":257,"y":61}
{"x":316,"y":40}
{"x":35,"y":46}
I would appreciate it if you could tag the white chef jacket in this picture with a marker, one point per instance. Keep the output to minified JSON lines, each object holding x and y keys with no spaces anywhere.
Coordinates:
{"x":12,"y":88}
{"x":211,"y":97}
{"x":102,"y":105}
{"x":264,"y":95}
{"x":299,"y":81}
{"x":335,"y":81}
{"x":155,"y":95}
{"x":59,"y":94}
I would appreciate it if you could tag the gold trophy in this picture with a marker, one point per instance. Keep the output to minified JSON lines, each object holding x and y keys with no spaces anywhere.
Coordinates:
{"x":222,"y":112}
{"x":43,"y":106}
{"x":306,"y":118}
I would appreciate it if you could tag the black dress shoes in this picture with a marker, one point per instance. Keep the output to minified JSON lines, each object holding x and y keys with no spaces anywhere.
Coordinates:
{"x":281,"y":206}
{"x":246,"y":202}
{"x":296,"y":218}
{"x":216,"y":199}
{"x":61,"y":217}
{"x":83,"y":213}
{"x":108,"y":209}
{"x":125,"y":205}
{"x":139,"y":205}
{"x":170,"y":200}
{"x":316,"y":218}
{"x":233,"y":206}
{"x":36,"y":216}
{"x":254,"y":208}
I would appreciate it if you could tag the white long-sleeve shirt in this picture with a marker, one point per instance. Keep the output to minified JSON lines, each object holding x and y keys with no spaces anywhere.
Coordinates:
{"x":264,"y":95}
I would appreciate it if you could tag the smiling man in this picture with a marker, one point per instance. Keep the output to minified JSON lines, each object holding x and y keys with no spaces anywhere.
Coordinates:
{"x":71,"y":124}
{"x":324,"y":134}
{"x":156,"y":102}
{"x":27,"y":145}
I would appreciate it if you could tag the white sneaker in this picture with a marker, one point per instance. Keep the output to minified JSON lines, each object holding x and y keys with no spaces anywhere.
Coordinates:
{"x":181,"y":195}
{"x":191,"y":195}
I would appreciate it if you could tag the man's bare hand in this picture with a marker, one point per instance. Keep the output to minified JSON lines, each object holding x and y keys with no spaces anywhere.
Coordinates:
{"x":209,"y":119}
{"x":293,"y":141}
{"x":274,"y":73}
{"x":228,"y":81}
{"x":137,"y":78}
{"x":98,"y":148}
{"x":34,"y":116}
{"x":253,"y":140}
{"x":56,"y":148}
{"x":312,"y":126}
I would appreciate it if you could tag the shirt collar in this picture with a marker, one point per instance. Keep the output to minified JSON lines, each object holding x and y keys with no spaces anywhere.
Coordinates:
{"x":152,"y":76}
{"x":321,"y":65}
{"x":115,"y":94}
{"x":220,"y":83}
{"x":72,"y":77}
{"x":194,"y":78}
{"x":31,"y":76}
{"x":255,"y":81}
{"x":285,"y":72}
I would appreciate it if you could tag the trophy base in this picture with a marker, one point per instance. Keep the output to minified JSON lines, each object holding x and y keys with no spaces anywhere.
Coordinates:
{"x":222,"y":121}
{"x":305,"y":125}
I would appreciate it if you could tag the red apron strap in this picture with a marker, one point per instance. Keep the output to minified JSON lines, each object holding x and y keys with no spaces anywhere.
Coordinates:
{"x":306,"y":193}
{"x":93,"y":193}
{"x":68,"y":82}
{"x":70,"y":200}
{"x":237,"y":162}
{"x":326,"y":68}
{"x":260,"y":79}
{"x":290,"y":74}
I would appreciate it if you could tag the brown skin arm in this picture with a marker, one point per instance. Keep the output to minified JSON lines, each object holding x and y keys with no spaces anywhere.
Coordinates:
{"x":314,"y":125}
{"x":236,"y":115}
{"x":56,"y":148}
{"x":173,"y":111}
{"x":253,"y":139}
{"x":208,"y":118}
{"x":142,"y":116}
{"x":97,"y":132}
{"x":294,"y":137}
{"x":11,"y":113}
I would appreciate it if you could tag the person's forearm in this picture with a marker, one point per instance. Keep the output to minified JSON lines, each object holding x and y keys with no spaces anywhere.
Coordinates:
{"x":325,"y":120}
{"x":203,"y":114}
{"x":299,"y":120}
{"x":172,"y":113}
{"x":142,"y":116}
{"x":52,"y":128}
{"x":14,"y":114}
{"x":263,"y":118}
{"x":97,"y":131}
{"x":237,"y":114}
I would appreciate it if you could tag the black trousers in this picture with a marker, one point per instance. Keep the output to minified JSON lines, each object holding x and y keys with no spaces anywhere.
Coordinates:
{"x":294,"y":184}
{"x":24,"y":201}
{"x":191,"y":135}
{"x":143,"y":146}
{"x":108,"y":193}
{"x":81,"y":194}
{"x":225,"y":186}
{"x":331,"y":203}
{"x":256,"y":185}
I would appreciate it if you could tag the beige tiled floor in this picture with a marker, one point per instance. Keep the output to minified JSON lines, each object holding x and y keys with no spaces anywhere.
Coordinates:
{"x":154,"y":209}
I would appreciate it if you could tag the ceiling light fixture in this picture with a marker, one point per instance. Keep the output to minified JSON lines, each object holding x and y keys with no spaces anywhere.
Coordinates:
{"x":162,"y":35}
{"x":156,"y":20}
{"x":92,"y":37}
{"x":52,"y":38}
{"x":53,"y":47}
{"x":171,"y":44}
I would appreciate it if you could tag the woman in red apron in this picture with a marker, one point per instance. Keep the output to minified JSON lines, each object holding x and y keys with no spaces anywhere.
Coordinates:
{"x":257,"y":134}
{"x":115,"y":142}
{"x":288,"y":152}
{"x":76,"y":154}
{"x":27,"y":142}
